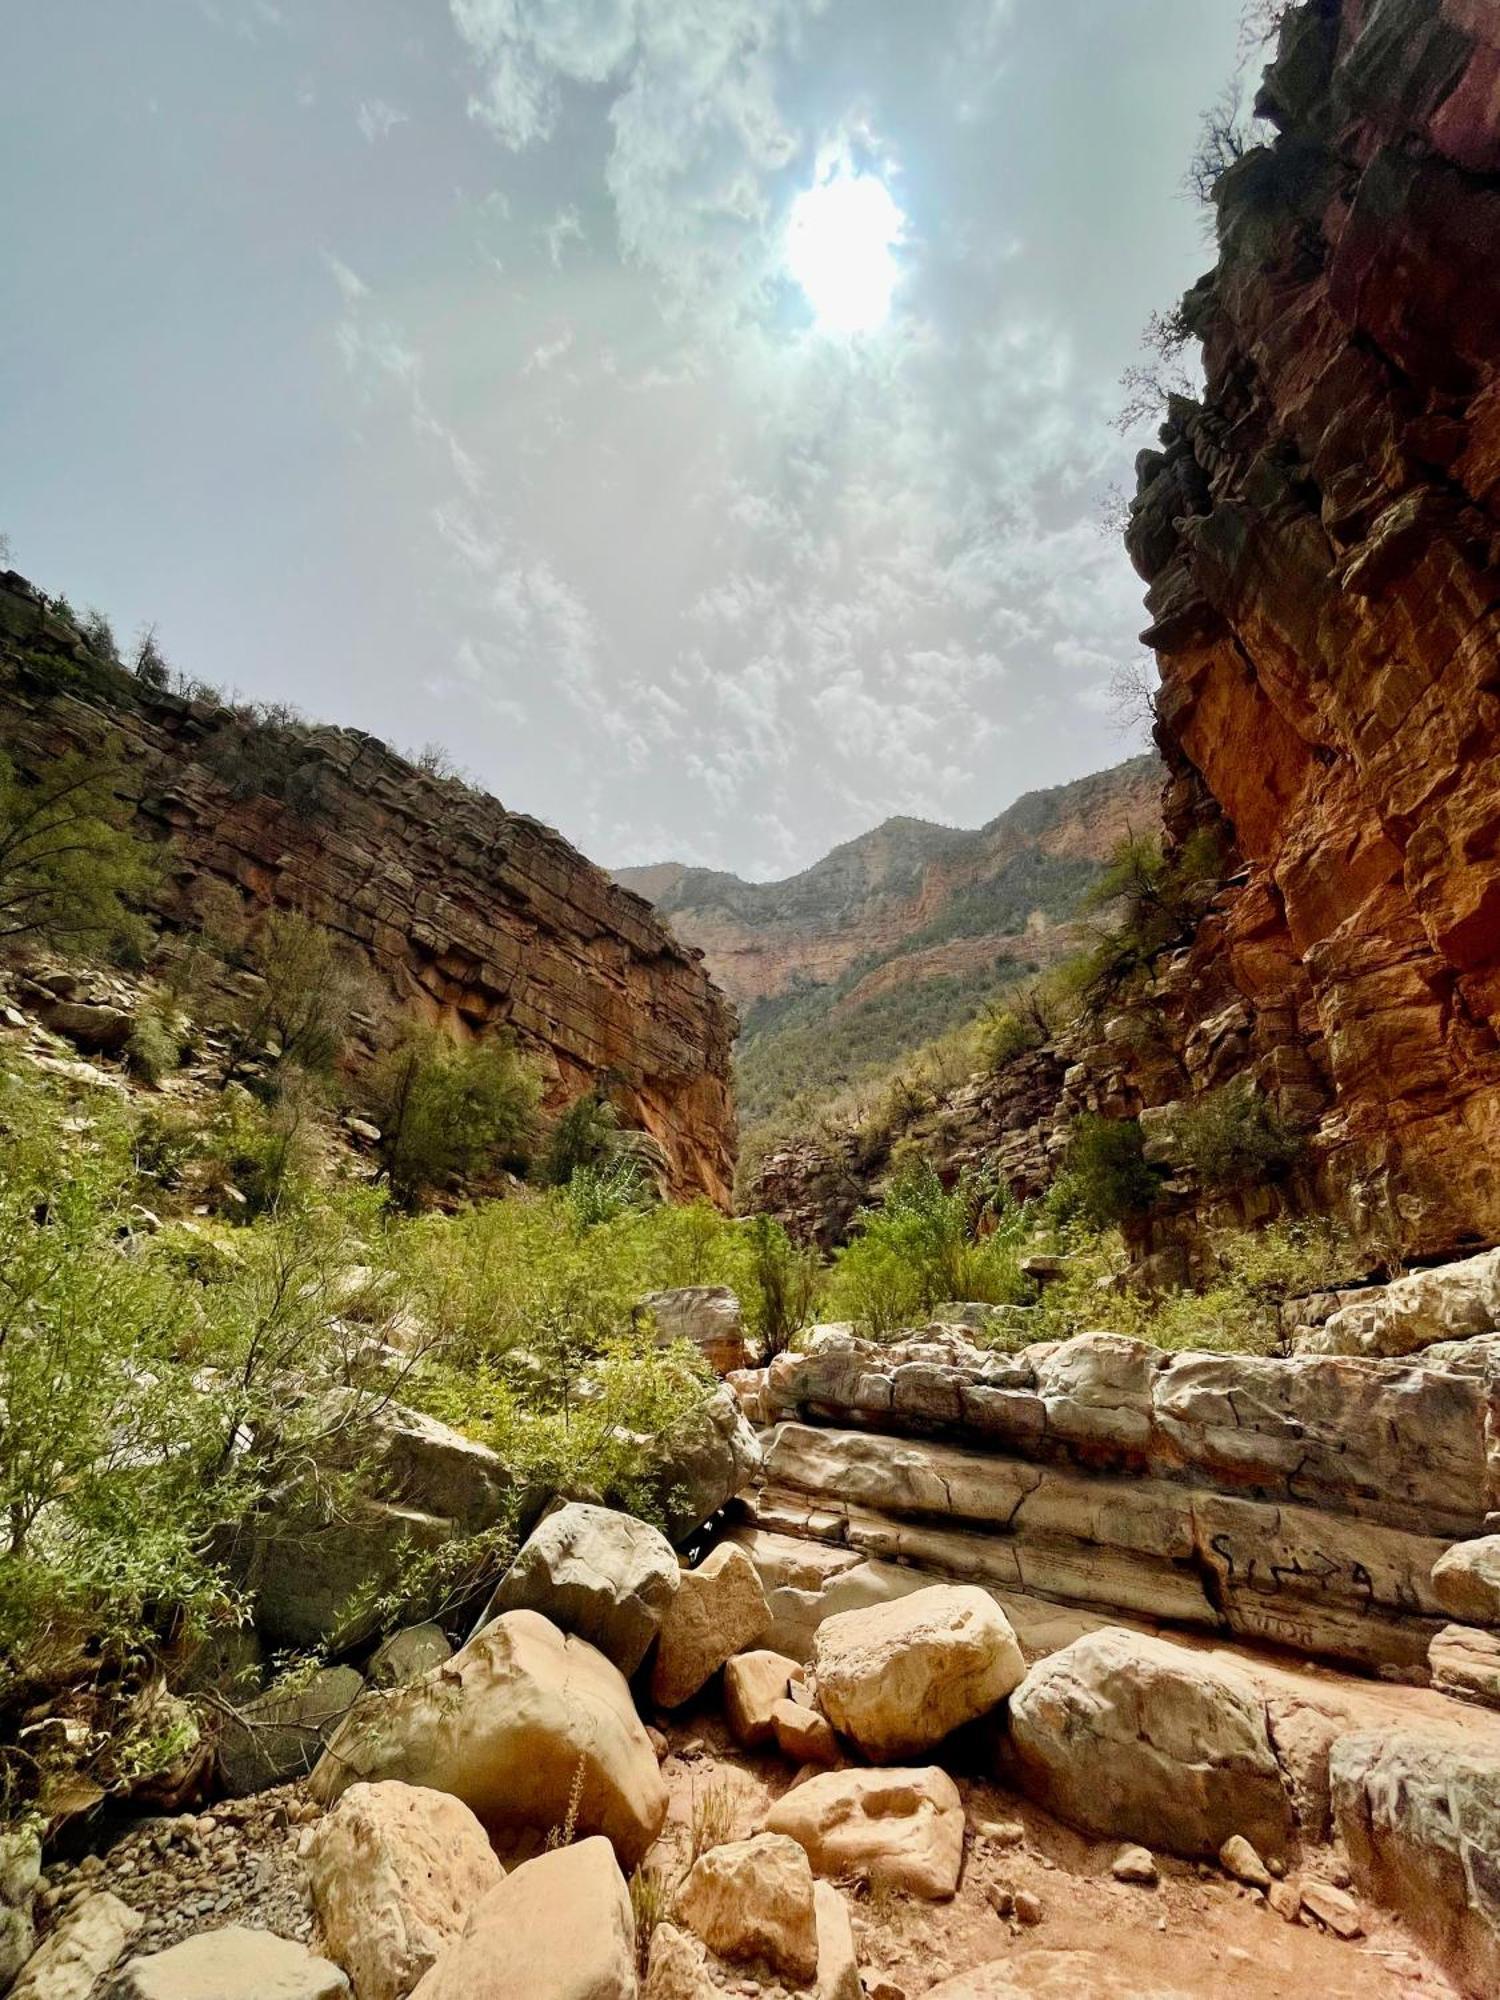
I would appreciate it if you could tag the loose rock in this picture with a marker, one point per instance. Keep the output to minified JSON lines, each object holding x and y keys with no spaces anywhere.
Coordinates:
{"x":1135,"y":1864}
{"x":753,"y":1684}
{"x":78,"y":1952}
{"x":395,"y":1871}
{"x":603,"y":1575}
{"x":898,"y":1829}
{"x":720,"y":1609}
{"x":754,"y":1899}
{"x":233,"y":1964}
{"x":897,"y":1678}
{"x":1237,"y":1857}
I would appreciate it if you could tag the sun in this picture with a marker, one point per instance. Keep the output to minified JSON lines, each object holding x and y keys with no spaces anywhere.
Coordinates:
{"x":840,"y":247}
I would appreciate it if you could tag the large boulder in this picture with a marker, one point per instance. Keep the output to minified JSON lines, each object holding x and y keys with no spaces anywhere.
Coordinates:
{"x":558,"y":1928}
{"x":20,"y":1871}
{"x":1466,"y":1580}
{"x":508,"y":1725}
{"x":706,"y":1316}
{"x":1131,"y":1738}
{"x":1466,"y":1663}
{"x":753,"y":1684}
{"x":720,"y":1609}
{"x":838,"y":1961}
{"x":232,"y":1964}
{"x":1419,"y":1816}
{"x":414,"y":1650}
{"x":711,"y":1456}
{"x":898,"y":1678}
{"x":754,"y":1899}
{"x":394,"y":1872}
{"x":78,"y":1951}
{"x":281,"y":1735}
{"x":603,"y":1575}
{"x":1450,"y":1302}
{"x":896,"y":1829}
{"x":318,"y":1557}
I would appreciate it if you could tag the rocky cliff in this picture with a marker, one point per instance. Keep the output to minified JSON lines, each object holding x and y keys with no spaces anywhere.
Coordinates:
{"x":1321,"y":540}
{"x":475,"y":917}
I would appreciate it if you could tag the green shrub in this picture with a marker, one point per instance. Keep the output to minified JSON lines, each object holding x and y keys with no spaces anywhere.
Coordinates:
{"x":783,"y":1285}
{"x":586,"y":1134}
{"x":1004,"y":1035}
{"x":1233,"y":1137}
{"x":71,"y":871}
{"x":448,"y":1110}
{"x":923,"y":1246}
{"x":300,"y":1008}
{"x":1106,"y":1179}
{"x":156,"y":1041}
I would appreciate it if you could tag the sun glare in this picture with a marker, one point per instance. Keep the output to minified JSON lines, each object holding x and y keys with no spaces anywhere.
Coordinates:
{"x":840,"y":248}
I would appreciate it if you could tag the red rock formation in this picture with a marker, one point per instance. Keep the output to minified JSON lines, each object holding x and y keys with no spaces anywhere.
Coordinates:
{"x":476,"y":917}
{"x":1321,"y":538}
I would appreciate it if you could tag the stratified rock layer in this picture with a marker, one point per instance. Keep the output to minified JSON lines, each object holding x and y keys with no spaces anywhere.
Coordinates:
{"x":475,"y":917}
{"x":1320,"y":538}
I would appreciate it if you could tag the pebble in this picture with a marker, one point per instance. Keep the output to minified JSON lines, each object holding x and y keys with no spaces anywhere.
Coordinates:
{"x":1028,"y":1907}
{"x":1003,"y":1832}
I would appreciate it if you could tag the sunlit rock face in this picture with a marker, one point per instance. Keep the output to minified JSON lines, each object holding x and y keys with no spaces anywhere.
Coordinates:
{"x":475,"y":917}
{"x":1321,"y":540}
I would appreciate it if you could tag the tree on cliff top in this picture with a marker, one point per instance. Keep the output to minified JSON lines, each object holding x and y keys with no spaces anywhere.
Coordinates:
{"x":71,"y":870}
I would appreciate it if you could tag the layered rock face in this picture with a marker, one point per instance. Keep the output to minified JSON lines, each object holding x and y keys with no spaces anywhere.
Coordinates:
{"x":1301,"y":1502}
{"x":475,"y":917}
{"x":1320,"y":539}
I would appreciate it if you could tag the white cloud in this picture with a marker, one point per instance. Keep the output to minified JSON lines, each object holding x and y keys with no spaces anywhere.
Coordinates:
{"x":377,"y":120}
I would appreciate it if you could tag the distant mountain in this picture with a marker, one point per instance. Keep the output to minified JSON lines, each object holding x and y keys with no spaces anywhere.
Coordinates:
{"x":898,"y":935}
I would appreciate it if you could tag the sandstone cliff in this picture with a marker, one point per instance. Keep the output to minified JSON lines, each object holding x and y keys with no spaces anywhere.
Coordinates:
{"x":475,"y":917}
{"x":1320,"y":538}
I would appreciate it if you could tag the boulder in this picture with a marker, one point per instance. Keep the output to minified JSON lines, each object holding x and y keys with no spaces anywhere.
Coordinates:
{"x":900,"y":1677}
{"x":1131,"y":1738}
{"x":603,"y":1575}
{"x":79,"y":1950}
{"x":1419,"y":1817}
{"x":1238,"y":1858}
{"x":414,"y":1650}
{"x":20,"y":1871}
{"x":896,"y":1829}
{"x":706,"y":1316}
{"x":1466,"y":1580}
{"x":754,"y":1899}
{"x":317,"y":1563}
{"x":558,"y":1928}
{"x":803,"y":1735}
{"x":1466,"y":1663}
{"x":709,"y":1458}
{"x":394,"y":1872}
{"x":233,"y":1964}
{"x":753,"y":1684}
{"x":676,"y":1970}
{"x":506,"y":1725}
{"x":719,"y":1610}
{"x":1450,"y":1302}
{"x":98,"y":1030}
{"x":280,"y":1736}
{"x":838,"y":1962}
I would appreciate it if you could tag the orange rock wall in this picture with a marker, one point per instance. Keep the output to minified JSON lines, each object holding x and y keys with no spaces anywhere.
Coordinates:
{"x":1321,"y":540}
{"x":476,"y":917}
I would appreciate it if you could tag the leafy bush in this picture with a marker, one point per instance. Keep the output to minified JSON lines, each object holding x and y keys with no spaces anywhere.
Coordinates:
{"x":299,"y":1011}
{"x":156,"y":1041}
{"x":71,"y":871}
{"x":586,"y":1134}
{"x":922,"y":1247}
{"x":447,"y":1110}
{"x":783,"y":1285}
{"x":1106,"y":1179}
{"x":1233,"y":1136}
{"x":1004,"y":1034}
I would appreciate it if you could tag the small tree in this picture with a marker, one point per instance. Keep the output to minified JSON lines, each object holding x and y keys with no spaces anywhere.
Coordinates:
{"x":586,"y":1134}
{"x":150,"y":665}
{"x":784,"y":1284}
{"x":308,"y":988}
{"x":70,"y":867}
{"x":448,"y":1110}
{"x":99,"y":637}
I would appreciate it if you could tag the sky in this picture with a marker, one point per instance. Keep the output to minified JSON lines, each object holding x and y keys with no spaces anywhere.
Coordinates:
{"x":692,"y":414}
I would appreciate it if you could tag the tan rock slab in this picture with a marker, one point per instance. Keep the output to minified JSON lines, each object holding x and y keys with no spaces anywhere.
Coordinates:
{"x":1132,"y":1738}
{"x":395,"y":1871}
{"x":558,"y":1928}
{"x":506,"y":1725}
{"x":898,"y":1678}
{"x":719,"y":1610}
{"x":803,"y":1735}
{"x":902,"y":1829}
{"x":753,"y":1899}
{"x":233,"y":1964}
{"x":77,"y":1953}
{"x":1466,"y":1580}
{"x":1466,"y":1662}
{"x":753,"y":1683}
{"x":838,"y":1962}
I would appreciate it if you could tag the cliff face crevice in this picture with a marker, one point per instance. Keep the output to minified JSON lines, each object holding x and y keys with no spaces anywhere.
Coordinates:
{"x":475,"y":917}
{"x":1321,"y":541}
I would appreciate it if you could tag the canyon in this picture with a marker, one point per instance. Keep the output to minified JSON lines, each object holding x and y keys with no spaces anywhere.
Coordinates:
{"x":475,"y":918}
